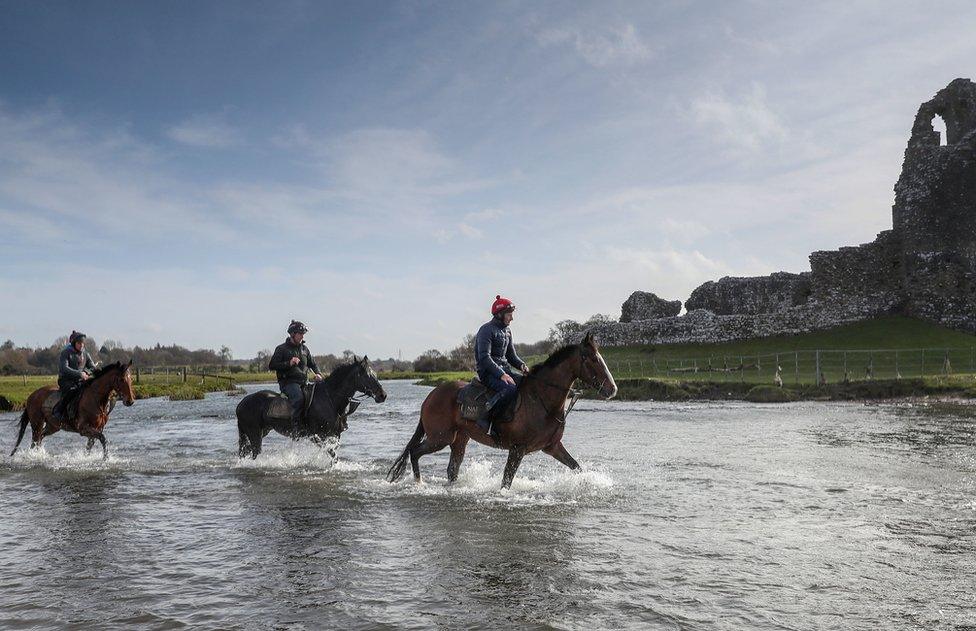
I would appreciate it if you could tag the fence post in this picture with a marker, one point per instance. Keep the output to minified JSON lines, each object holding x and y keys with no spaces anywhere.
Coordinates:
{"x":25,"y":380}
{"x":137,"y":374}
{"x":184,"y":374}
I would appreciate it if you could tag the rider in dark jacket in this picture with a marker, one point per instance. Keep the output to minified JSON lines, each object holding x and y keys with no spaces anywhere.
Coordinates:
{"x":291,"y":361}
{"x":494,"y":353}
{"x":75,"y":366}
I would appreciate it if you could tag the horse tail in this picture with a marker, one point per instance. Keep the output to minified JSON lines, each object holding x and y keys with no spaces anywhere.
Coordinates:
{"x":400,"y":464}
{"x":24,"y":422}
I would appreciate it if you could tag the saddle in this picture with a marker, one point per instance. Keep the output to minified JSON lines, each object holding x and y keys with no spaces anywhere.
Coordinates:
{"x":280,"y":410}
{"x":48,"y":406}
{"x":473,"y":400}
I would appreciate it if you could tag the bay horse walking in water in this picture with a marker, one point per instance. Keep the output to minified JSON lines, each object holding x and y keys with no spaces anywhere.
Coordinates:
{"x":94,"y":406}
{"x":538,"y":423}
{"x":325,"y":416}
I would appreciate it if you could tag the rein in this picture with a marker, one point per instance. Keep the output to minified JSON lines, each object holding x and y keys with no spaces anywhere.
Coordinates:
{"x":573,"y":395}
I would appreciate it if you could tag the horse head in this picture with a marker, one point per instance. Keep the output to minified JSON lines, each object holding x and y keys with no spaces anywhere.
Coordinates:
{"x":593,"y":370}
{"x":123,"y":383}
{"x":367,"y":382}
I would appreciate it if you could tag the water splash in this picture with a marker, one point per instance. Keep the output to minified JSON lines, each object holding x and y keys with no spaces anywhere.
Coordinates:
{"x":67,"y":460}
{"x":480,"y":480}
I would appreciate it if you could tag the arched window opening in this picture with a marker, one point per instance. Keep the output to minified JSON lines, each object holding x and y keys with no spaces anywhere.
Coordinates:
{"x":939,"y":125}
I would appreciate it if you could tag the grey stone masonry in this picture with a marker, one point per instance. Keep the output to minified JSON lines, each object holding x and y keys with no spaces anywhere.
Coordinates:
{"x":643,"y":305}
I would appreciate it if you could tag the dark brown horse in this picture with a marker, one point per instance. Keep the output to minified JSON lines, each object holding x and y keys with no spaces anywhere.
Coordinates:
{"x":94,"y":406}
{"x":538,"y":423}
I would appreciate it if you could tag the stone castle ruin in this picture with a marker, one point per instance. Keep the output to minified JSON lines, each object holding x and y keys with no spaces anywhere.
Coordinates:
{"x":924,"y":267}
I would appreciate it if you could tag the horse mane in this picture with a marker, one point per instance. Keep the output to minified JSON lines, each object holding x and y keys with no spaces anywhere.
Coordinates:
{"x":101,"y":370}
{"x":557,"y":357}
{"x":340,"y":372}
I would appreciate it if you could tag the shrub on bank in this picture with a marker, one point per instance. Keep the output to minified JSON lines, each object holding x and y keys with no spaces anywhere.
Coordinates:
{"x":771,"y":394}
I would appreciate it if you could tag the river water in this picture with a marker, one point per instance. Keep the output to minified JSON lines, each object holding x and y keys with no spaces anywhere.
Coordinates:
{"x":688,"y":516}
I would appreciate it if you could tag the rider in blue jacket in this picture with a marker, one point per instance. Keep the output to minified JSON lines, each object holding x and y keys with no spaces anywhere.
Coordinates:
{"x":495,"y":357}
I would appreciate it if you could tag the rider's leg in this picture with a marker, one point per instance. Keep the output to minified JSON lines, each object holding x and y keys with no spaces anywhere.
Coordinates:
{"x":296,"y":401}
{"x":504,"y":392}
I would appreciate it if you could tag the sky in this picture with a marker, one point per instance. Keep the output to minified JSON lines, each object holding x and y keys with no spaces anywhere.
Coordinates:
{"x":201,"y":173}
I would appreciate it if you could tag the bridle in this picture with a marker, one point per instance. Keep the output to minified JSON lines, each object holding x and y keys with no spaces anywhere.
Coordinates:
{"x":574,"y":394}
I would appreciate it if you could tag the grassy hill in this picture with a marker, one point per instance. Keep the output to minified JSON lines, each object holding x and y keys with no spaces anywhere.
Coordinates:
{"x":892,"y":348}
{"x":884,"y":333}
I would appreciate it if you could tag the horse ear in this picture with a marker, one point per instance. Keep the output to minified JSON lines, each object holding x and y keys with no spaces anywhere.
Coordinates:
{"x":365,"y":360}
{"x":588,"y":339}
{"x":130,"y":363}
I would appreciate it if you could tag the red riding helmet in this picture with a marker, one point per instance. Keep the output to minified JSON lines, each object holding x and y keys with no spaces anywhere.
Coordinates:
{"x":502,"y":305}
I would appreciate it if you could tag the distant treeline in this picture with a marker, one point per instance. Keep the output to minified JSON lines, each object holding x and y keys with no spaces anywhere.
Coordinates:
{"x":22,"y":360}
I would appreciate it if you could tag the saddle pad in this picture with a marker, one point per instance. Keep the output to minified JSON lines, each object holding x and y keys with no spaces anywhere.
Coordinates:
{"x":279,"y":409}
{"x":473,"y":399}
{"x":49,"y":403}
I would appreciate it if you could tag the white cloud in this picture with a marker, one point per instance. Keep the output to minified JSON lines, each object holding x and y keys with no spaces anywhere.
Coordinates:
{"x":745,"y":122}
{"x":608,"y":46}
{"x":105,"y":179}
{"x":470,"y":231}
{"x":206,"y":130}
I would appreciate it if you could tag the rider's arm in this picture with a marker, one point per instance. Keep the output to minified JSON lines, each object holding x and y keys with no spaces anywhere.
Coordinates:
{"x":89,"y":364}
{"x":482,"y":353}
{"x":279,"y":360}
{"x":310,"y":362}
{"x":512,"y":356}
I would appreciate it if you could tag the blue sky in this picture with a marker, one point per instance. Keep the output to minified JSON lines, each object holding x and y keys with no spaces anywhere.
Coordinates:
{"x":201,"y":173}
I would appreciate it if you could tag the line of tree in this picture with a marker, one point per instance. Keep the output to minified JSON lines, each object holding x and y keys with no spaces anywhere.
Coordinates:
{"x":23,"y":360}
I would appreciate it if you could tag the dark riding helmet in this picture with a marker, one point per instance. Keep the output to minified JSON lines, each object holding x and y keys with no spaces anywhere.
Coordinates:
{"x":297,"y":327}
{"x":76,"y":336}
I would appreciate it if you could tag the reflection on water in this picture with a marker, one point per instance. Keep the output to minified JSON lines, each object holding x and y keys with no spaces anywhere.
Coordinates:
{"x":687,"y":516}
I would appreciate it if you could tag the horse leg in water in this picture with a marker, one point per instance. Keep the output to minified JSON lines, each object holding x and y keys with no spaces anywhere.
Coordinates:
{"x":91,"y":443}
{"x":249,"y":440}
{"x":332,"y":448}
{"x":38,"y":429}
{"x":101,"y":438}
{"x":427,"y":446}
{"x":457,"y":456}
{"x":559,"y":452}
{"x":515,"y":455}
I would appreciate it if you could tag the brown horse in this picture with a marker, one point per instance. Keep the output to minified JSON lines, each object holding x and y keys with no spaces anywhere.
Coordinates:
{"x":94,"y":406}
{"x":538,"y":423}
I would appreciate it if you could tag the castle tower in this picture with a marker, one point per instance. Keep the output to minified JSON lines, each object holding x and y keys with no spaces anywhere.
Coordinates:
{"x":934,"y":216}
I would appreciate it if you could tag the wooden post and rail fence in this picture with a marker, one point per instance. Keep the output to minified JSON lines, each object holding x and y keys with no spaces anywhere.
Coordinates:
{"x":818,"y":366}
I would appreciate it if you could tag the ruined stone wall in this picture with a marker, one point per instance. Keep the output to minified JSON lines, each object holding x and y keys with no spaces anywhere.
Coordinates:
{"x":751,"y":295}
{"x":867,"y":277}
{"x":643,"y":305}
{"x":935,"y":210}
{"x":924,"y":267}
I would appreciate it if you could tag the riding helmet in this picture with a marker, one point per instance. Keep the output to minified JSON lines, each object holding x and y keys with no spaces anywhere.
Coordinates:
{"x":296,"y":327}
{"x":76,"y":336}
{"x":502,"y":305}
